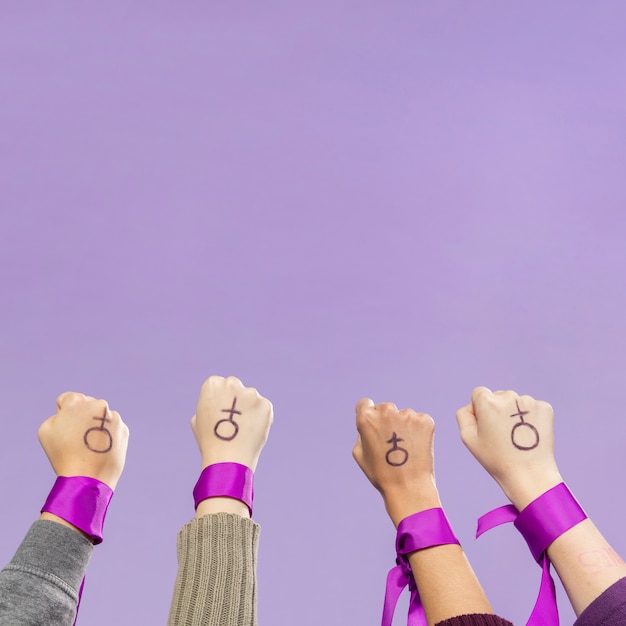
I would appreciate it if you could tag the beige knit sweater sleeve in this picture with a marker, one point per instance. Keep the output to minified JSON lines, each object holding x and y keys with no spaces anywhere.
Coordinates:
{"x":216,"y":581}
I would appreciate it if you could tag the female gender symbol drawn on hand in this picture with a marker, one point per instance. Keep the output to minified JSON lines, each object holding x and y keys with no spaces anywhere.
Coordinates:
{"x":99,"y":429}
{"x":396,"y":448}
{"x":523,"y":424}
{"x":230,"y":421}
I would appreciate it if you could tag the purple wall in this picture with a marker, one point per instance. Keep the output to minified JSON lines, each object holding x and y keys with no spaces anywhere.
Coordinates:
{"x":328,"y":200}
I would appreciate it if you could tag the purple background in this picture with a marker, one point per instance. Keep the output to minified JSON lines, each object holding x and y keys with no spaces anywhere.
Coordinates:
{"x":328,"y":200}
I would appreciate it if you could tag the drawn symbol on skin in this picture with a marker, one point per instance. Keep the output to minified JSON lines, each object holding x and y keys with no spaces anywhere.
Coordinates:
{"x":524,"y":425}
{"x":97,"y":439}
{"x":230,"y":421}
{"x":398,"y":459}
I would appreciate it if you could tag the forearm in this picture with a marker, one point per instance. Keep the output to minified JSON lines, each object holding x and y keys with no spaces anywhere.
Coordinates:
{"x":583,"y":559}
{"x":585,"y":563}
{"x":444,"y":577}
{"x":40,"y":585}
{"x":447,"y":584}
{"x":216,"y":580}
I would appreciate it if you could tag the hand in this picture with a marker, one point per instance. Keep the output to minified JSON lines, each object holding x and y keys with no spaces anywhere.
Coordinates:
{"x":85,"y":438}
{"x":512,"y":437}
{"x":395,"y":451}
{"x":231,"y":423}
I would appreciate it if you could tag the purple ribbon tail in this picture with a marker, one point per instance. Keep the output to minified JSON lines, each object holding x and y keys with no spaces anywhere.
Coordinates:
{"x":545,"y":610}
{"x":545,"y":519}
{"x":422,"y":530}
{"x":501,"y":515}
{"x":396,"y":582}
{"x":417,"y":617}
{"x":80,"y":595}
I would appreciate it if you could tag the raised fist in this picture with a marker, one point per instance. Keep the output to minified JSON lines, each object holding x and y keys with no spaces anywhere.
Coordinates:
{"x":231,"y":423}
{"x":512,"y":437}
{"x":85,"y":438}
{"x":395,"y":451}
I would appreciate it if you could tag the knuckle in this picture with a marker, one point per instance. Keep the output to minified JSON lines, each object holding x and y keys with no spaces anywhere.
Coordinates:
{"x":68,"y":398}
{"x":545,"y":406}
{"x":212,"y":380}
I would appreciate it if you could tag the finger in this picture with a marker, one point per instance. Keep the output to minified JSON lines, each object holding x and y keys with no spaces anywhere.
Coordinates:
{"x":212,"y":380}
{"x":101,"y":407}
{"x":480,"y":393}
{"x":363,"y":404}
{"x":544,"y":406}
{"x":233,"y":380}
{"x":67,"y":398}
{"x":526,"y":402}
{"x":387,"y":407}
{"x":466,"y":418}
{"x":43,"y":429}
{"x":115,"y":417}
{"x":357,"y":450}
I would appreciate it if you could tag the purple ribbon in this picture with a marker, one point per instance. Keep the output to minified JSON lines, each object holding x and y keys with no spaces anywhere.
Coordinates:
{"x":230,"y":480}
{"x":425,"y":529}
{"x":81,"y":501}
{"x":540,"y":523}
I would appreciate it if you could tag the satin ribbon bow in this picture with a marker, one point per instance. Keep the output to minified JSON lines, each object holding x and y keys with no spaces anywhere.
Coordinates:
{"x":540,"y":523}
{"x":425,"y":529}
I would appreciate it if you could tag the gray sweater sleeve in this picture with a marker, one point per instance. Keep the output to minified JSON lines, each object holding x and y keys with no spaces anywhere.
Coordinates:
{"x":216,"y":581}
{"x":40,"y":585}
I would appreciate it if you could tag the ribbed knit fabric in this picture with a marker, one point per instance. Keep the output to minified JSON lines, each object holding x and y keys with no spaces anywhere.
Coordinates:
{"x":607,"y":610}
{"x":475,"y":619}
{"x":216,"y":581}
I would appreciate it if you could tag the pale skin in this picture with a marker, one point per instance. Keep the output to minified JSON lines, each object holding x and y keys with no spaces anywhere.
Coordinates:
{"x":66,"y":443}
{"x":253,"y":418}
{"x":583,"y":559}
{"x":446,"y":582}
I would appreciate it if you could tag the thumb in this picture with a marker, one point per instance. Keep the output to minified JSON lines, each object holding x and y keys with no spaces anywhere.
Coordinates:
{"x":468,"y":425}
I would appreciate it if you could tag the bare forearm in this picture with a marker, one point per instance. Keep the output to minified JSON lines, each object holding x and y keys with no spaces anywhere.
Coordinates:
{"x":447,"y":584}
{"x":585,"y":563}
{"x":444,"y":577}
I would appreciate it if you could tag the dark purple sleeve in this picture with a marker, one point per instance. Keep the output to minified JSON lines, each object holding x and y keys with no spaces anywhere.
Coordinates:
{"x":475,"y":619}
{"x":608,"y":609}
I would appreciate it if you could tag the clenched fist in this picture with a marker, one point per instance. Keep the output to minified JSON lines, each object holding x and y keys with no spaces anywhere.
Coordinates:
{"x":512,"y":437}
{"x":85,"y":438}
{"x":231,"y":423}
{"x":395,"y":451}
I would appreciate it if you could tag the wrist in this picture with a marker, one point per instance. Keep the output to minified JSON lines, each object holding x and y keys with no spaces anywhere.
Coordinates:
{"x":51,"y":517}
{"x":81,"y":502}
{"x":521,"y":494}
{"x":224,"y":488}
{"x":214,"y":459}
{"x":210,"y":506}
{"x":401,"y":503}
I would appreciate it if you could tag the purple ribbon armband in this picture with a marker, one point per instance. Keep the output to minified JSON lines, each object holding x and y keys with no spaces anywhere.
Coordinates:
{"x":540,"y":523}
{"x":81,"y":501}
{"x":425,"y":529}
{"x":229,"y":480}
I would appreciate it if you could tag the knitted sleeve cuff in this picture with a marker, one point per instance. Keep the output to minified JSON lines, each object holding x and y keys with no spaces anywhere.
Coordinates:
{"x":608,"y":609}
{"x":216,"y":581}
{"x":475,"y":619}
